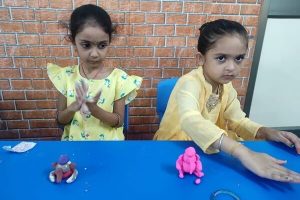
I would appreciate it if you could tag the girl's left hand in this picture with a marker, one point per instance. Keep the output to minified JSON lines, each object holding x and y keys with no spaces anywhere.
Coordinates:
{"x":285,"y":137}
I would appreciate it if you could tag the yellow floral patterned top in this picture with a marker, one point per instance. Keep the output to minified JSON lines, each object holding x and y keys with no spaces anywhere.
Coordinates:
{"x":115,"y":86}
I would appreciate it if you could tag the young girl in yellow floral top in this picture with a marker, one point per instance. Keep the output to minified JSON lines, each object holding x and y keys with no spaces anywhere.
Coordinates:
{"x":203,"y":106}
{"x":92,"y":95}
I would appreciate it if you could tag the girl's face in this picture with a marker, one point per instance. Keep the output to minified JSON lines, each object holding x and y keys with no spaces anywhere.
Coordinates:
{"x":92,"y":44}
{"x":222,"y":63}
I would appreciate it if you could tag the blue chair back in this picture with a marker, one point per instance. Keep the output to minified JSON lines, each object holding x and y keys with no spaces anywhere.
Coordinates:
{"x":164,"y":89}
{"x":126,"y":120}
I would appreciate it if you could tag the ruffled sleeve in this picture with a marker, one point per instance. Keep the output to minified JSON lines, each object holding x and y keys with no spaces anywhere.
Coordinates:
{"x":127,"y":86}
{"x":57,"y":76}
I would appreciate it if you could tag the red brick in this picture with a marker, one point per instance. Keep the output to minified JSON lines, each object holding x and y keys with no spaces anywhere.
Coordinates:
{"x":137,"y":72}
{"x":136,"y":41}
{"x":46,"y":104}
{"x":11,"y":115}
{"x":4,"y":14}
{"x":60,"y":5}
{"x":192,"y":42}
{"x":197,"y":19}
{"x":38,"y":3}
{"x":164,"y":30}
{"x":26,"y":105}
{"x":141,"y":102}
{"x":250,"y":9}
{"x":46,"y":15}
{"x":8,"y":39}
{"x":176,"y":19}
{"x":7,"y":105}
{"x":143,"y":30}
{"x":246,"y":1}
{"x":136,"y":17}
{"x":34,"y":95}
{"x":164,"y":52}
{"x":24,"y":62}
{"x":17,"y":51}
{"x":150,"y":6}
{"x":187,"y":62}
{"x":148,"y":62}
{"x":41,"y":51}
{"x":10,"y":27}
{"x":230,"y":9}
{"x":15,"y":3}
{"x":21,"y":84}
{"x":6,"y":62}
{"x":78,"y":3}
{"x":142,"y":111}
{"x":143,"y":120}
{"x":124,"y":29}
{"x":153,"y":72}
{"x":176,"y":41}
{"x":110,"y":5}
{"x":22,"y":14}
{"x":168,"y":62}
{"x":172,"y":7}
{"x":172,"y":72}
{"x":9,"y":134}
{"x":39,"y":114}
{"x":185,"y":31}
{"x":193,"y":7}
{"x":32,"y":73}
{"x":17,"y":124}
{"x":129,"y":62}
{"x":185,"y":52}
{"x":9,"y":73}
{"x":129,"y":5}
{"x":251,"y":21}
{"x":43,"y":123}
{"x":119,"y":41}
{"x":60,"y":51}
{"x":13,"y":95}
{"x":155,"y":18}
{"x":143,"y":52}
{"x":28,"y":39}
{"x":4,"y":85}
{"x":40,"y":133}
{"x":155,"y":41}
{"x":34,"y":27}
{"x":118,"y":18}
{"x":51,"y":39}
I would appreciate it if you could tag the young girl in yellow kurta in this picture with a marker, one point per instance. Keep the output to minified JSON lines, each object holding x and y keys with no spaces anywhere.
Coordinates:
{"x":203,"y":106}
{"x":92,"y":95}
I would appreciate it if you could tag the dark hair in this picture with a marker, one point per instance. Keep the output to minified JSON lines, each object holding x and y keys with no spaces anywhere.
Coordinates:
{"x":92,"y":15}
{"x":212,"y":31}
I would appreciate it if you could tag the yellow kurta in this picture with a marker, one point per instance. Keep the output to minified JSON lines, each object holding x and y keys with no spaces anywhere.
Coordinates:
{"x":187,"y":118}
{"x":115,"y":86}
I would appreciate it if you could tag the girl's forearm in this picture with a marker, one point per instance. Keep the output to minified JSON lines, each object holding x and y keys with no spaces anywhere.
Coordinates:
{"x":231,"y":147}
{"x":112,"y":119}
{"x":65,"y":116}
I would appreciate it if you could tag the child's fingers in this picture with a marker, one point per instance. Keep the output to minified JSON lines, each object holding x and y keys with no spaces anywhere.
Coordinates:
{"x":294,"y":140}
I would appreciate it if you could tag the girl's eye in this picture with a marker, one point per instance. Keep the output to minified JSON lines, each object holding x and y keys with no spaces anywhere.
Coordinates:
{"x":102,"y":46}
{"x":240,"y":58}
{"x":86,"y":45}
{"x":221,"y":58}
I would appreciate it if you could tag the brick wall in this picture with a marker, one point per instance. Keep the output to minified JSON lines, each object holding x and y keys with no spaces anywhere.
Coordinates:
{"x":155,"y":39}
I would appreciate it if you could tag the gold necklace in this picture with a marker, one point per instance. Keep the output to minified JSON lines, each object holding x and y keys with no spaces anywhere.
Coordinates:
{"x":213,"y":100}
{"x":86,"y":74}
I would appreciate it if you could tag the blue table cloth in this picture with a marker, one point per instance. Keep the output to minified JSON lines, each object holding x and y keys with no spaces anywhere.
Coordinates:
{"x":137,"y":170}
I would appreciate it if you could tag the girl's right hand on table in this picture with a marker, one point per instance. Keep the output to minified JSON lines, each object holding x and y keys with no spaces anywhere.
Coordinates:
{"x":266,"y":166}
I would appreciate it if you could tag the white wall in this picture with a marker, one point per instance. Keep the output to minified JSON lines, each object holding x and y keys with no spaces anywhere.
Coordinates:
{"x":276,"y":97}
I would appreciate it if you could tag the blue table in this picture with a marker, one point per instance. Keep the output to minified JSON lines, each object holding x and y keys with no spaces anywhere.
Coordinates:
{"x":136,"y":170}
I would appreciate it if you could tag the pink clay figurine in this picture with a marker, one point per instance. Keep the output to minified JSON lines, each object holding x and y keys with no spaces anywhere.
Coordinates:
{"x":189,"y":162}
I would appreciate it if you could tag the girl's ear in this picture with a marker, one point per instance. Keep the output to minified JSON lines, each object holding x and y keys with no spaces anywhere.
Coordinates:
{"x":200,"y":59}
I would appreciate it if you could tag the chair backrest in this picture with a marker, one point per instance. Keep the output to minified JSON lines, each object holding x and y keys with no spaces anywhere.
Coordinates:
{"x":164,"y":89}
{"x":126,"y":120}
